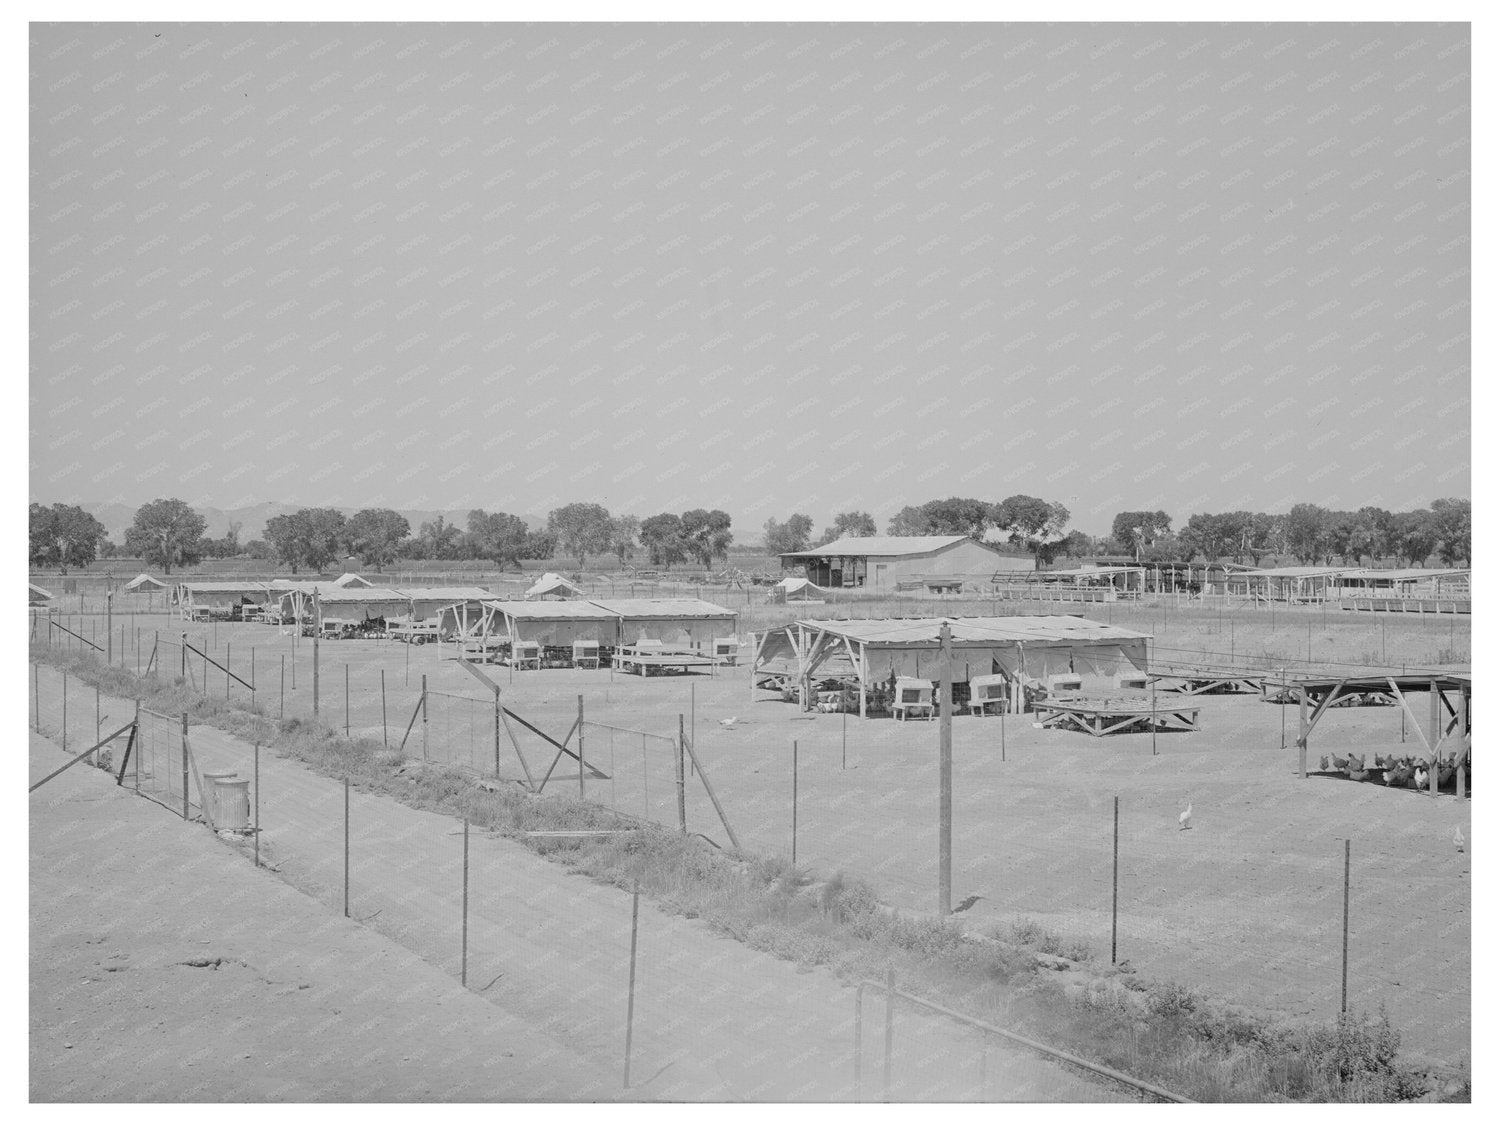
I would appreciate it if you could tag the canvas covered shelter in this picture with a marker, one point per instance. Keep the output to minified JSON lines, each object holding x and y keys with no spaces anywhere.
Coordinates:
{"x":221,"y":598}
{"x":430,"y":602}
{"x":356,"y":606}
{"x":145,"y":584}
{"x":797,"y":590}
{"x":38,"y":595}
{"x":555,"y":624}
{"x":1023,"y":649}
{"x":1405,"y":582}
{"x":677,"y":622}
{"x":348,"y":581}
{"x":552,"y":585}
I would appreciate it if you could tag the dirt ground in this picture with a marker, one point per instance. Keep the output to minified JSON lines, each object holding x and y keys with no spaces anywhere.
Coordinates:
{"x":1246,"y":905}
{"x":290,"y":1001}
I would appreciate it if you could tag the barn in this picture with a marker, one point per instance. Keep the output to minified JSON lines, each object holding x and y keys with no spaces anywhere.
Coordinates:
{"x":870,"y":655}
{"x":889,"y":562}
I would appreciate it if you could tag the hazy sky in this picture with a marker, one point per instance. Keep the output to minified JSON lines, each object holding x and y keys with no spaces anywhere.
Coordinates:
{"x":768,"y":268}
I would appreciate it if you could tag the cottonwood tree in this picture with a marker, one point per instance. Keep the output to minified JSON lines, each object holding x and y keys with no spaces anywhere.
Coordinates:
{"x":1033,"y":523}
{"x":581,"y":530}
{"x":855,"y":525}
{"x":1452,"y":522}
{"x":706,"y":535}
{"x":793,"y":535}
{"x":166,"y":533}
{"x":64,"y":535}
{"x":661,"y":535}
{"x":375,"y":534}
{"x":1135,"y":531}
{"x":499,"y":537}
{"x":910,"y":520}
{"x":623,"y":531}
{"x":960,"y":515}
{"x":310,"y":537}
{"x":437,"y":539}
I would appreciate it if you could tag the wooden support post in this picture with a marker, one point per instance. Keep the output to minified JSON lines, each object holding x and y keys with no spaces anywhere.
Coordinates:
{"x":317,"y":630}
{"x":794,"y":802}
{"x":384,"y":737}
{"x":65,"y":713}
{"x":424,"y":716}
{"x":497,"y":733}
{"x":945,"y":772}
{"x":1435,"y":726}
{"x":463,"y":969}
{"x":257,"y":804}
{"x":1114,"y":908}
{"x":1302,"y":732}
{"x":1344,"y":990}
{"x":582,"y":765}
{"x":635,"y":914}
{"x":346,"y":699}
{"x":184,"y":766}
{"x":109,"y":627}
{"x":346,"y":847}
{"x":281,"y":713}
{"x":890,"y":1028}
{"x":681,"y":780}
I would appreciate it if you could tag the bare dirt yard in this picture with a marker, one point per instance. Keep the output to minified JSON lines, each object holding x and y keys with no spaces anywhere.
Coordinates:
{"x":1246,"y":905}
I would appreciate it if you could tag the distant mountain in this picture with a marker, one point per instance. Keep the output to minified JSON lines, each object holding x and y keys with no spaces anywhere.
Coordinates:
{"x":116,"y":518}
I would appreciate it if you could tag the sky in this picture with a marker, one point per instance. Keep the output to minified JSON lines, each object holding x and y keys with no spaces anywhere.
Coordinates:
{"x":764,"y":268}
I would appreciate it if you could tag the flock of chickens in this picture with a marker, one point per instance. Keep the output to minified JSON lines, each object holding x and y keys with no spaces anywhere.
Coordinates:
{"x":1407,"y":772}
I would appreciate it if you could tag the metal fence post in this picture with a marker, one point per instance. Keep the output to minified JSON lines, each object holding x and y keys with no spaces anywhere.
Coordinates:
{"x":1344,"y":989}
{"x":463,"y":971}
{"x":346,"y":847}
{"x":890,"y":1018}
{"x":635,"y":912}
{"x":1114,"y":909}
{"x":184,"y":766}
{"x":424,"y":716}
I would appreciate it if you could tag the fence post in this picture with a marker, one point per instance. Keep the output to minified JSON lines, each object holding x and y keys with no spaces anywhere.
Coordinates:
{"x":794,"y":802}
{"x":384,"y":740}
{"x":681,"y":782}
{"x":109,"y":626}
{"x":346,"y":846}
{"x":257,"y":804}
{"x":183,"y":673}
{"x":890,"y":1017}
{"x":228,"y":647}
{"x":94,"y":758}
{"x":581,"y":770}
{"x":346,"y":700}
{"x":65,"y":712}
{"x":317,"y":631}
{"x":140,"y":745}
{"x":281,"y":712}
{"x":635,"y":911}
{"x":36,"y":682}
{"x":463,"y":970}
{"x":1344,"y":990}
{"x":184,"y":767}
{"x":1114,"y":909}
{"x":424,"y":716}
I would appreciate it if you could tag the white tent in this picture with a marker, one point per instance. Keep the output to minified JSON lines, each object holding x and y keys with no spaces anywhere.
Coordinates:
{"x":145,"y":584}
{"x":800,"y":589}
{"x":352,"y":581}
{"x":552,"y":585}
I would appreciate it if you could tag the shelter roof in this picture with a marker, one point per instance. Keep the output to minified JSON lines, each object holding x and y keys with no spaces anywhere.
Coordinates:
{"x":550,"y":581}
{"x":922,"y":632}
{"x":1403,"y":575}
{"x":553,"y":611}
{"x":636,"y":608}
{"x":447,"y":593}
{"x":362,"y":594}
{"x":225,"y":587}
{"x":1293,"y":572}
{"x":145,"y":580}
{"x":39,"y":592}
{"x":349,"y":579}
{"x":878,"y":545}
{"x":1088,"y":571}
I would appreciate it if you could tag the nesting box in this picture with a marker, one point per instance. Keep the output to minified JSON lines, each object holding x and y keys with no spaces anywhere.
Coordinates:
{"x":585,"y":654}
{"x":912,"y":695}
{"x":524,"y":653}
{"x":1132,"y":681}
{"x":986,"y":691}
{"x":1069,"y":681}
{"x":726,"y":649}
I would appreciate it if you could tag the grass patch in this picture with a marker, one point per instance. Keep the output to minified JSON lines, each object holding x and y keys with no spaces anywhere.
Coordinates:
{"x":1023,"y":976}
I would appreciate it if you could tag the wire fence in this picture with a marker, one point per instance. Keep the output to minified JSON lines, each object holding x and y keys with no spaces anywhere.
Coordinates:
{"x":649,"y":1003}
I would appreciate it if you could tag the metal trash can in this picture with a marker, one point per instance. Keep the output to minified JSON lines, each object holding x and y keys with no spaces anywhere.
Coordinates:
{"x":231,"y":804}
{"x":211,"y":792}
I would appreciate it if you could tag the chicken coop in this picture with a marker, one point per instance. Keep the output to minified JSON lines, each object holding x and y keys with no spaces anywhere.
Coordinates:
{"x":912,"y":695}
{"x":988,"y":692}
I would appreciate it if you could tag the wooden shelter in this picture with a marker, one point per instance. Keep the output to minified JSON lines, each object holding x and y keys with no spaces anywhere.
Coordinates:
{"x":553,"y":586}
{"x":354,"y":608}
{"x":684,"y":623}
{"x":202,"y":600}
{"x":1025,"y":650}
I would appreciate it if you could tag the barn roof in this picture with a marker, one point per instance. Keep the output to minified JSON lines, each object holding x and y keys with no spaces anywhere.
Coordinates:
{"x":857,"y":546}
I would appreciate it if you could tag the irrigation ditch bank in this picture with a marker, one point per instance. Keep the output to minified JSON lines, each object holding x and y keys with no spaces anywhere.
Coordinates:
{"x":1019,"y":977}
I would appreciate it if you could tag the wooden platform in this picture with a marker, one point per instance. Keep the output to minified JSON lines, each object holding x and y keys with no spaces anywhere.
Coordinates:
{"x":1101,"y":715}
{"x":1189,"y":680}
{"x":659,"y":660}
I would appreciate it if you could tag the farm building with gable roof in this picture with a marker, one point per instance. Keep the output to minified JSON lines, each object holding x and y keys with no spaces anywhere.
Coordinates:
{"x":882,"y":562}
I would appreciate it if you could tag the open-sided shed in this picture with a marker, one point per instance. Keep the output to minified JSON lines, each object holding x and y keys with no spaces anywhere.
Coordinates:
{"x":221,"y":599}
{"x":555,"y":624}
{"x":683,"y":623}
{"x":356,"y":606}
{"x":1022,"y":649}
{"x":434,"y":603}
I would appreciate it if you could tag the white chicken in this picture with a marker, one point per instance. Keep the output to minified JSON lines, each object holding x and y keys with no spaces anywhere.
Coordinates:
{"x":1185,"y":818}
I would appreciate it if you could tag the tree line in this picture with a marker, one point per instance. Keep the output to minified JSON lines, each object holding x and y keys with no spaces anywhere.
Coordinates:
{"x":169,"y":533}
